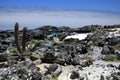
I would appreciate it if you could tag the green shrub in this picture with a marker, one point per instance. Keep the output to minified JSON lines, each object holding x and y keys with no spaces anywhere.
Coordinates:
{"x":13,"y":50}
{"x":33,"y":41}
{"x":110,"y":57}
{"x":53,"y":77}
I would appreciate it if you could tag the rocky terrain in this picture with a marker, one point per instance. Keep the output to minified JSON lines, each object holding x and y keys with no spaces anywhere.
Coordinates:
{"x":52,"y":55}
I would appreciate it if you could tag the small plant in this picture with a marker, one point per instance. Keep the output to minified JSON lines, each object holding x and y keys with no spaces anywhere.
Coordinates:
{"x":13,"y":50}
{"x":110,"y":57}
{"x":53,"y":77}
{"x":33,"y":41}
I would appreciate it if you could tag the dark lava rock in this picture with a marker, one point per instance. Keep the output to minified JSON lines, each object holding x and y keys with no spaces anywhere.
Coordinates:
{"x":48,"y":57}
{"x":11,"y":62}
{"x":36,"y":34}
{"x":3,"y":48}
{"x":76,"y":60}
{"x":3,"y":57}
{"x":113,"y":41}
{"x":115,"y":76}
{"x":111,"y":65}
{"x":29,"y":64}
{"x":21,"y":71}
{"x":107,"y":50}
{"x":86,"y":63}
{"x":53,"y":68}
{"x":58,"y":71}
{"x":118,"y":54}
{"x":102,"y":77}
{"x":74,"y":74}
{"x":119,"y":67}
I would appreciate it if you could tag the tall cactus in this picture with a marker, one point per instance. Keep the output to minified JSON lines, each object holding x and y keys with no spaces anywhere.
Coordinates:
{"x":16,"y":31}
{"x":24,"y":39}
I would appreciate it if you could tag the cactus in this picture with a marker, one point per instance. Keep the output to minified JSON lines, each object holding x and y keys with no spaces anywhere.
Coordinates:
{"x":24,"y":39}
{"x":16,"y":32}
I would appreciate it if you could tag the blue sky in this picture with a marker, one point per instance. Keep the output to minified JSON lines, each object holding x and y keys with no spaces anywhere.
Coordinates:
{"x":105,"y":5}
{"x":72,"y":13}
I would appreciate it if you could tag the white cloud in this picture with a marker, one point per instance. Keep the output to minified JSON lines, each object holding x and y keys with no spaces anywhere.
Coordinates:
{"x":38,"y":17}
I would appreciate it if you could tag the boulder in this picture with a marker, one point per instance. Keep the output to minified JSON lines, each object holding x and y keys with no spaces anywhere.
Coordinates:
{"x":11,"y":62}
{"x":3,"y":48}
{"x":86,"y":63}
{"x":74,"y":74}
{"x":48,"y":57}
{"x":115,"y":76}
{"x":51,"y":68}
{"x":37,"y":62}
{"x":25,"y":70}
{"x":76,"y":60}
{"x":58,"y":71}
{"x":117,"y":52}
{"x":102,"y":77}
{"x":107,"y":50}
{"x":3,"y":57}
{"x":113,"y":41}
{"x":34,"y":56}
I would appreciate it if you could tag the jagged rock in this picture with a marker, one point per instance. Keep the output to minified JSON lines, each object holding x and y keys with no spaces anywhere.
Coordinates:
{"x":115,"y":76}
{"x":107,"y":50}
{"x":4,"y":72}
{"x":37,"y":62}
{"x":29,"y":64}
{"x":34,"y":56}
{"x":76,"y":60}
{"x":3,"y":48}
{"x":3,"y":57}
{"x":60,"y":59}
{"x":86,"y":63}
{"x":118,"y":54}
{"x":74,"y":74}
{"x":51,"y":68}
{"x":11,"y":62}
{"x":36,"y":34}
{"x":48,"y":57}
{"x":21,"y":71}
{"x":111,"y":65}
{"x":119,"y":67}
{"x":113,"y":41}
{"x":102,"y":77}
{"x":58,"y":71}
{"x":14,"y":77}
{"x":84,"y":49}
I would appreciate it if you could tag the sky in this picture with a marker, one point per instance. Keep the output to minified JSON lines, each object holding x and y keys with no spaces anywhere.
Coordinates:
{"x":73,"y":13}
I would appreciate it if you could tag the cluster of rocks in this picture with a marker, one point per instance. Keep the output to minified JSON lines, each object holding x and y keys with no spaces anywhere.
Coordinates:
{"x":6,"y":40}
{"x":27,"y":70}
{"x":75,"y":52}
{"x":61,"y":53}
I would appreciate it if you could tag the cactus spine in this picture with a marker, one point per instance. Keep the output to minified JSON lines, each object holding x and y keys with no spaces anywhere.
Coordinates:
{"x":16,"y":32}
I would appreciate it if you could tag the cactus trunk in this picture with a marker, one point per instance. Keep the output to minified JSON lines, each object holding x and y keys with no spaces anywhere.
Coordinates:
{"x":24,"y":39}
{"x":16,"y":31}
